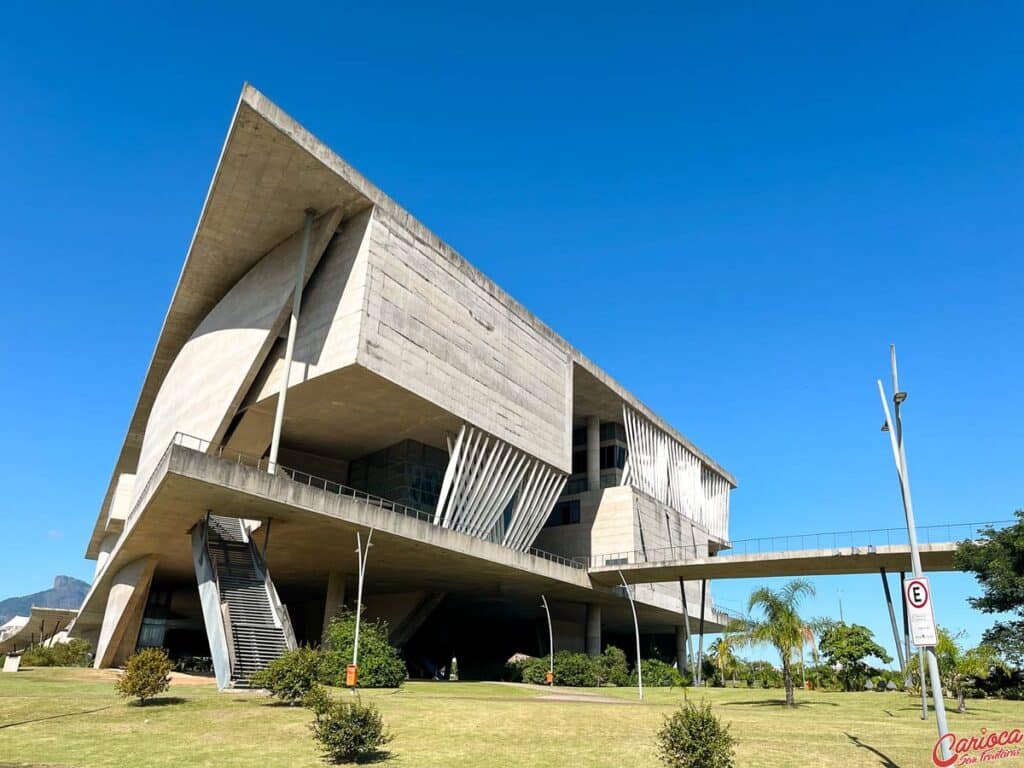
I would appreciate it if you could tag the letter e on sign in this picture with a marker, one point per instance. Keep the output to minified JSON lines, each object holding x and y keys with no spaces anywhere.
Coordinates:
{"x":920,"y":615}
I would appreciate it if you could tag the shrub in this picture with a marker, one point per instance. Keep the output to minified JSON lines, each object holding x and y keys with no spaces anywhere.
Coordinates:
{"x":534,"y":670}
{"x":290,"y":676}
{"x":611,"y":667}
{"x":349,"y":731}
{"x":146,"y":674}
{"x":575,"y":669}
{"x":659,"y":674}
{"x":317,"y":699}
{"x":380,"y":664}
{"x":694,"y":738}
{"x":74,"y":653}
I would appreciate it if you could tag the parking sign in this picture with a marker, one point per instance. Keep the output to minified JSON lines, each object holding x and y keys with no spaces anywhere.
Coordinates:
{"x":920,"y":614}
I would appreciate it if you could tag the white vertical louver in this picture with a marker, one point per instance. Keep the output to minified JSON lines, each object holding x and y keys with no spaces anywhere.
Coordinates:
{"x":667,"y":470}
{"x":484,"y":476}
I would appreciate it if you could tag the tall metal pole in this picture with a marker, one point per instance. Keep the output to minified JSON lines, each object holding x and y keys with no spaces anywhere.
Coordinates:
{"x":293,"y":328}
{"x":551,"y":640}
{"x":361,"y":556}
{"x":892,"y":620}
{"x":699,"y":673}
{"x":636,"y":630}
{"x":899,"y":454}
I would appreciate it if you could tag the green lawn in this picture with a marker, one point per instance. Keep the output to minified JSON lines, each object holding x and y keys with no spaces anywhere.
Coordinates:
{"x":72,"y":718}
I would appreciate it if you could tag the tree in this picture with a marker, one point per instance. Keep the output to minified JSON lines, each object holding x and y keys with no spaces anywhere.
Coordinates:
{"x":780,"y":627}
{"x":998,"y":564}
{"x":146,"y":674}
{"x":960,"y":668}
{"x":724,"y":656}
{"x":848,"y":645}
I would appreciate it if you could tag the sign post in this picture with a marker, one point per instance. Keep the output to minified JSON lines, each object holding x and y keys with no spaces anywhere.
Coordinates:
{"x":899,"y":455}
{"x":920,"y":613}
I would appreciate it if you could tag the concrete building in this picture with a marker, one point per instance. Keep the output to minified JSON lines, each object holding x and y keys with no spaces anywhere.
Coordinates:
{"x":327,"y":365}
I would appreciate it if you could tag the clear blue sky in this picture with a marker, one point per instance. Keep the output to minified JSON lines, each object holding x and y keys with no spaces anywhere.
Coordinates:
{"x":733,"y":210}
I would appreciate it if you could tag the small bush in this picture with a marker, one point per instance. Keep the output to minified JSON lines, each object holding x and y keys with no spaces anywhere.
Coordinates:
{"x":146,"y":674}
{"x":534,"y":670}
{"x":290,"y":676}
{"x":349,"y":731}
{"x":694,"y":738}
{"x":659,"y":674}
{"x":380,"y":664}
{"x":575,"y":669}
{"x":611,"y":667}
{"x":317,"y":699}
{"x":74,"y":653}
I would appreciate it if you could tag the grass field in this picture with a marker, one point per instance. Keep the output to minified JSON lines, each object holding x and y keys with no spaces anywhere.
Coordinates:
{"x":64,"y":717}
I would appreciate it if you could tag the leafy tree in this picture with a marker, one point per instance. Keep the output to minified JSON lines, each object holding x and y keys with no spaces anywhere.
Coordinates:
{"x":961,"y":668}
{"x":146,"y":674}
{"x":780,"y":627}
{"x":848,"y":645}
{"x":380,"y":664}
{"x":998,"y":564}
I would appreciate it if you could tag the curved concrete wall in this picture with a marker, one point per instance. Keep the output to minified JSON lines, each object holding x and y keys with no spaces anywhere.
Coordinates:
{"x":216,"y":367}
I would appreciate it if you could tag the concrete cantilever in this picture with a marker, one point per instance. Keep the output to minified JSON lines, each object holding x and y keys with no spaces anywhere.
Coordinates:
{"x":42,"y":624}
{"x":807,"y":562}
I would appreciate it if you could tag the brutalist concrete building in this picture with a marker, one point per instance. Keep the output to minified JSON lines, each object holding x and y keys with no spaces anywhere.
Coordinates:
{"x":328,"y":366}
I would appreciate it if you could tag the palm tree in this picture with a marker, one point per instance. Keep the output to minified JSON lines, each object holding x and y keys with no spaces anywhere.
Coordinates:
{"x":959,"y":668}
{"x":781,"y":625}
{"x":722,"y":650}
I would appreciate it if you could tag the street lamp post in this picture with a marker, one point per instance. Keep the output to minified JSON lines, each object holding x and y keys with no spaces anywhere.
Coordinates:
{"x":351,"y":678}
{"x":636,"y":630}
{"x":900,"y":457}
{"x":551,"y":642}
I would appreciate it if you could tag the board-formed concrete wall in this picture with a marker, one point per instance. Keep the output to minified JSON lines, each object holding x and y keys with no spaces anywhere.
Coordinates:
{"x":436,"y":327}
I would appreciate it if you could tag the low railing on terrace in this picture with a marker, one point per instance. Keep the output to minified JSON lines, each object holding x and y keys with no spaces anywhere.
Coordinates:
{"x":832,"y":540}
{"x":262,"y":463}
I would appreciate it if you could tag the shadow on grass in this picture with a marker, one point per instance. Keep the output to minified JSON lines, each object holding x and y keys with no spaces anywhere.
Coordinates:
{"x":884,"y":759}
{"x":778,"y":703}
{"x":163,"y":701}
{"x":373,"y":757}
{"x":55,"y":717}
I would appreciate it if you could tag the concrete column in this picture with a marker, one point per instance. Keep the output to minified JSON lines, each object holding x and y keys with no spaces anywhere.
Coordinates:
{"x":593,"y":629}
{"x":681,"y":640}
{"x":593,"y":453}
{"x":335,"y":597}
{"x":122,"y":619}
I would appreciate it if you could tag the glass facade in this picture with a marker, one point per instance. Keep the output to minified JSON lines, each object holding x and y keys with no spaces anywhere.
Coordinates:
{"x":408,"y":472}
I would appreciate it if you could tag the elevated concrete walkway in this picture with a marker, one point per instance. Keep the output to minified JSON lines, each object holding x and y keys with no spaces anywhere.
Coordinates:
{"x":808,"y":562}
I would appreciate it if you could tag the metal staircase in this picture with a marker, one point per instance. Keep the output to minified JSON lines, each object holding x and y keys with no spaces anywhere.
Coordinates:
{"x":254,"y":624}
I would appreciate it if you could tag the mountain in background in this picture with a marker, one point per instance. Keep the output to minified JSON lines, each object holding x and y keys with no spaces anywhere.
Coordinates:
{"x":67,"y":592}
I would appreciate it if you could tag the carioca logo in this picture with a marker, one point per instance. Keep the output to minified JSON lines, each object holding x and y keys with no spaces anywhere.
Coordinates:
{"x":983,"y":741}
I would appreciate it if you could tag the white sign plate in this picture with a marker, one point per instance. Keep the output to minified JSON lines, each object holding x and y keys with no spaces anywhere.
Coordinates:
{"x":920,"y":615}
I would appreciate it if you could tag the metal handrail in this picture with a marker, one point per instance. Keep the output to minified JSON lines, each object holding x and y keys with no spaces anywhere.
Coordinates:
{"x":833,"y":540}
{"x":330,"y":486}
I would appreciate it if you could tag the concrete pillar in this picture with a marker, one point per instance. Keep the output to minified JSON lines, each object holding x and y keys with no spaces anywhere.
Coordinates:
{"x":682,"y":636}
{"x":593,"y":453}
{"x":106,"y":547}
{"x":126,"y":604}
{"x":593,"y":629}
{"x":335,"y":597}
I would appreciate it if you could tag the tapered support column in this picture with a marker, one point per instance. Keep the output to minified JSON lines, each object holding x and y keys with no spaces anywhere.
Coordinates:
{"x":593,"y":453}
{"x":126,"y":603}
{"x":593,"y":629}
{"x":699,"y":672}
{"x":892,"y":620}
{"x":681,"y":660}
{"x":335,"y":597}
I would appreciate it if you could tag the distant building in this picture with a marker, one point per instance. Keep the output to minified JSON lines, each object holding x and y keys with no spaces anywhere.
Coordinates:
{"x":493,"y":460}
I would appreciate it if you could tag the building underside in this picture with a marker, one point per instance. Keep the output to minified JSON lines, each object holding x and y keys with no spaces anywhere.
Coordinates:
{"x":328,"y":366}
